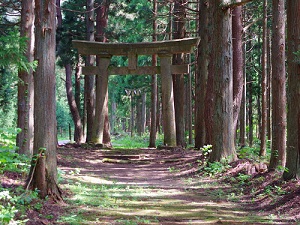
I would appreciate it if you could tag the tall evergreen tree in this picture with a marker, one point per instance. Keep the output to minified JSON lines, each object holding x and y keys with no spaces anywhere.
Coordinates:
{"x":43,"y":174}
{"x":89,"y":81}
{"x":223,"y":132}
{"x":201,"y":76}
{"x":26,"y":83}
{"x":293,"y":116}
{"x":179,"y":16}
{"x":278,"y":153}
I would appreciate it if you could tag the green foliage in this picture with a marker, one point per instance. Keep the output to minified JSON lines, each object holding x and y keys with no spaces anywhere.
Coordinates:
{"x":125,"y":141}
{"x":273,"y":191}
{"x":63,"y":115}
{"x":9,"y":159}
{"x":206,"y":150}
{"x":18,"y":199}
{"x":214,"y":168}
{"x":297,"y":57}
{"x":253,"y":152}
{"x":12,"y":49}
{"x":130,"y":17}
{"x":15,"y":201}
{"x":243,"y":178}
{"x":12,"y":60}
{"x":138,"y":220}
{"x":8,"y":93}
{"x":173,"y":169}
{"x":73,"y":27}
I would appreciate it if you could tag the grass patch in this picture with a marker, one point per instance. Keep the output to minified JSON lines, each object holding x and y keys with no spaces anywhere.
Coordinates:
{"x":126,"y":141}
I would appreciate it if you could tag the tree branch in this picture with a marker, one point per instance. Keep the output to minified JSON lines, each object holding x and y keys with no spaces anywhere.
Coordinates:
{"x":234,"y":4}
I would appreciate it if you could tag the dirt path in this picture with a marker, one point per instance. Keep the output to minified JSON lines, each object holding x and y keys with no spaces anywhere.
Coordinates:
{"x":145,"y":187}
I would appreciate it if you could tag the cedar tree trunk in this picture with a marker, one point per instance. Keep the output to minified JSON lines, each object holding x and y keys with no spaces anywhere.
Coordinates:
{"x":201,"y":76}
{"x":178,"y":79}
{"x":278,"y":151}
{"x":43,"y":175}
{"x":78,"y":131}
{"x":26,"y":83}
{"x":293,"y":117}
{"x":89,"y":81}
{"x":223,"y":130}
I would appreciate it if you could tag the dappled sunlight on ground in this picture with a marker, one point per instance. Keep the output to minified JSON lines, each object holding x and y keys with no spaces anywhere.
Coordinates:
{"x":145,"y":187}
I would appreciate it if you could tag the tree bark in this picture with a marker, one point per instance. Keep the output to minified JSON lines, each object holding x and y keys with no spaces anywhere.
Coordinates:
{"x":179,"y":13}
{"x":189,"y":107}
{"x":243,"y":110}
{"x":263,"y":134}
{"x":153,"y":125}
{"x":209,"y":97}
{"x":250,"y":111}
{"x":89,"y":81}
{"x":278,"y":151}
{"x":139,"y":115}
{"x":78,"y":86}
{"x":102,"y":17}
{"x":201,"y":76}
{"x":269,"y":88}
{"x":113,"y":116}
{"x":293,"y":116}
{"x":238,"y":79}
{"x":43,"y":174}
{"x":223,"y":132}
{"x":78,"y":131}
{"x":26,"y":84}
{"x":143,"y":112}
{"x":106,"y":131}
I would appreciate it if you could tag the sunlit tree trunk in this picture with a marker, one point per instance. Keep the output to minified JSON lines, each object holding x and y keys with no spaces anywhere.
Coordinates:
{"x":263,"y":134}
{"x":250,"y":104}
{"x":293,"y":116}
{"x":43,"y":175}
{"x":201,"y":76}
{"x":223,"y":132}
{"x":238,"y":79}
{"x":78,"y":131}
{"x":26,"y":83}
{"x":278,"y":153}
{"x":78,"y":85}
{"x":102,"y":79}
{"x":269,"y":88}
{"x":89,"y":81}
{"x":153,"y":125}
{"x":179,"y":12}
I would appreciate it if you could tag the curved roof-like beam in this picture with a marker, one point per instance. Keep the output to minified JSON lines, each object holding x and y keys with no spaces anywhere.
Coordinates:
{"x":142,"y":48}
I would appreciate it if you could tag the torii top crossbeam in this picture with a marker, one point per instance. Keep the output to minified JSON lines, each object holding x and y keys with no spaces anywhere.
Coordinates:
{"x":142,"y":48}
{"x":132,"y":50}
{"x":164,"y":49}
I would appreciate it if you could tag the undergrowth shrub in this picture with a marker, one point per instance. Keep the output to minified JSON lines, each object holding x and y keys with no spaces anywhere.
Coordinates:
{"x":15,"y":199}
{"x":9,"y":159}
{"x":213,"y":168}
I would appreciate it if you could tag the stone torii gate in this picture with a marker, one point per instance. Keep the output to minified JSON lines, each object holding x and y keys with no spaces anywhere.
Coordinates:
{"x":164,"y":50}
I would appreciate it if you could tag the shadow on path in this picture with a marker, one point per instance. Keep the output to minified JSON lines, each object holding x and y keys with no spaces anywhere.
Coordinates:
{"x":145,"y":187}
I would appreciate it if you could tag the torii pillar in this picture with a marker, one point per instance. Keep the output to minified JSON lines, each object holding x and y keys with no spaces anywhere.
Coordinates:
{"x":168,"y":109}
{"x":164,"y":49}
{"x":101,"y":99}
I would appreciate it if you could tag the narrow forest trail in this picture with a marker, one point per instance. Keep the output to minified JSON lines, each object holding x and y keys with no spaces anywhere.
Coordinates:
{"x":144,"y":187}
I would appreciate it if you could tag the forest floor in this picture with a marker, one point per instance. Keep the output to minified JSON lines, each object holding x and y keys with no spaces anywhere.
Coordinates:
{"x":150,"y":186}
